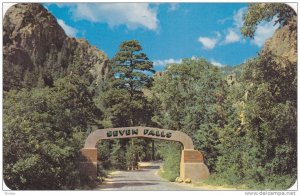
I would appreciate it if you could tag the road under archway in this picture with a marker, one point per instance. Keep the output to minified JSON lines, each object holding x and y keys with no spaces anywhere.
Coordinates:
{"x":144,"y":179}
{"x":191,"y":166}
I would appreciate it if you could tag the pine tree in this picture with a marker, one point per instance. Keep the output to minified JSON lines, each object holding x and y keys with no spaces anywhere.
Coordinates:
{"x":123,"y":98}
{"x":131,"y":71}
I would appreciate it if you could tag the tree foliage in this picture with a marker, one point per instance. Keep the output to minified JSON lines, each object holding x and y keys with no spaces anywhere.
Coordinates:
{"x":271,"y":113}
{"x":258,"y":12}
{"x":44,"y":130}
{"x":263,"y":147}
{"x":123,"y":100}
{"x":170,"y":153}
{"x":191,"y":98}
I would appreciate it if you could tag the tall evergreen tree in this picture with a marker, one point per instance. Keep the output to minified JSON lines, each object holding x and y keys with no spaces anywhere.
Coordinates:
{"x":123,"y":99}
{"x":130,"y":73}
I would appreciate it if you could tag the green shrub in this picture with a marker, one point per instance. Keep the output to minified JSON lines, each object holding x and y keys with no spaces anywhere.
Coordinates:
{"x":171,"y":156}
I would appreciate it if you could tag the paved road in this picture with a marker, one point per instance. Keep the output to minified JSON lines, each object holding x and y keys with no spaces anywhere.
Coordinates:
{"x":142,"y":179}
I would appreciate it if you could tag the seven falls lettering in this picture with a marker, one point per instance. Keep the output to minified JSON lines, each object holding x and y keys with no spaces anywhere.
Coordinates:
{"x":126,"y":132}
{"x":133,"y":132}
{"x":157,"y":133}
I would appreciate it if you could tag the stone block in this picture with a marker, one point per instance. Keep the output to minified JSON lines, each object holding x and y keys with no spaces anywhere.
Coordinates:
{"x":88,"y":169}
{"x":195,"y":171}
{"x":192,"y":156}
{"x":88,"y":154}
{"x":192,"y":166}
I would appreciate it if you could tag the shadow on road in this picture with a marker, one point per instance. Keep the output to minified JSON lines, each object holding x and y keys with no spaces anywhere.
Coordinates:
{"x":141,"y":182}
{"x":150,"y":167}
{"x":145,"y":178}
{"x":131,"y":184}
{"x":116,"y":176}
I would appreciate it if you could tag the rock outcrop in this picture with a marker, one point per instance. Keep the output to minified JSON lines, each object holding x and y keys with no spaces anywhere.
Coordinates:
{"x":33,"y":42}
{"x":284,"y":42}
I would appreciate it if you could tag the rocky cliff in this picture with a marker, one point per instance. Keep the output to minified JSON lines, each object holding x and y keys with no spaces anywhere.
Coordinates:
{"x":35,"y":47}
{"x":284,"y":41}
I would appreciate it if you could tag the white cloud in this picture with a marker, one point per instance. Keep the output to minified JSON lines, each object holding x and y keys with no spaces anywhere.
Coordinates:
{"x":264,"y":31}
{"x":231,"y":37}
{"x":60,"y":5}
{"x":216,"y":63}
{"x":223,"y":20}
{"x":209,"y":43}
{"x":70,"y":31}
{"x":194,"y":57}
{"x":233,"y":33}
{"x":133,"y":15}
{"x":238,"y":17}
{"x":166,"y":61}
{"x":173,"y":6}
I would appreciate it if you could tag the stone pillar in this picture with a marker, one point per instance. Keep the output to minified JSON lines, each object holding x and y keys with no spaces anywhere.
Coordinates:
{"x":88,"y":162}
{"x":192,"y":166}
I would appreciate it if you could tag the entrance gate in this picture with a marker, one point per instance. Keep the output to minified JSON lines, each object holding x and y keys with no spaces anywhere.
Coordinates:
{"x":191,"y":166}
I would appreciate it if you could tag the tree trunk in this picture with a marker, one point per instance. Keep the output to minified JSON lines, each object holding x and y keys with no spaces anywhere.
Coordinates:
{"x":153,"y":151}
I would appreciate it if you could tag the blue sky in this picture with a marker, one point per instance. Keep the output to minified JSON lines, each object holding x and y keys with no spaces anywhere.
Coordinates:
{"x":167,"y":32}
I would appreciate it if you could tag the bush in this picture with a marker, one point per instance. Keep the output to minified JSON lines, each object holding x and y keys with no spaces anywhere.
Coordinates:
{"x":43,"y":131}
{"x":170,"y":153}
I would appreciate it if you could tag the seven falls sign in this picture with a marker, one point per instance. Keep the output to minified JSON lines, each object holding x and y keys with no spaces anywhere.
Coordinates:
{"x":133,"y":132}
{"x":191,"y":165}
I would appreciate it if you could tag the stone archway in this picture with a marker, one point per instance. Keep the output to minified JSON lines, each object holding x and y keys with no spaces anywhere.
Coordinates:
{"x":191,"y":166}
